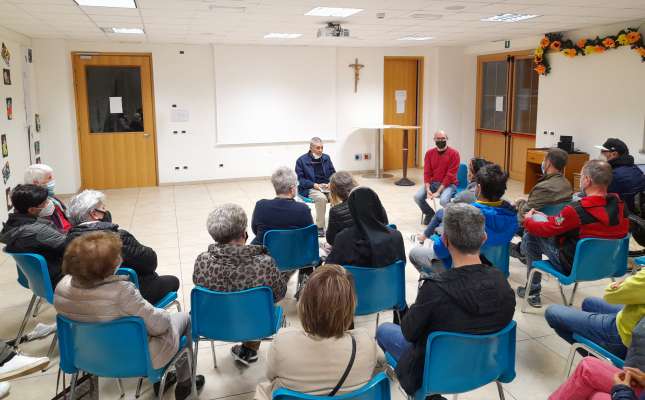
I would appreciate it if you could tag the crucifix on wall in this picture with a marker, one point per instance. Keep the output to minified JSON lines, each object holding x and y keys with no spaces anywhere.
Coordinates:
{"x":357,"y":70}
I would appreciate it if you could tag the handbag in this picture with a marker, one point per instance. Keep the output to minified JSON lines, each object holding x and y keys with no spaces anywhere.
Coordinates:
{"x":87,"y":388}
{"x":349,"y":368}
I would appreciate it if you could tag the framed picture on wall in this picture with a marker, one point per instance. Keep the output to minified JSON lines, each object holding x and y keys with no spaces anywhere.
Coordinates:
{"x":37,"y":122}
{"x":38,"y":160}
{"x":29,"y":58}
{"x":6,"y":172}
{"x":5,"y":146}
{"x":37,"y":147}
{"x":7,"y":194}
{"x":6,"y":76}
{"x":6,"y":55}
{"x":9,"y":108}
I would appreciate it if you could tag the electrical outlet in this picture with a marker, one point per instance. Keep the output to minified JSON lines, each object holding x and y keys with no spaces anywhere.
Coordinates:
{"x":177,"y":168}
{"x":367,"y":156}
{"x":221,"y":165}
{"x":357,"y":157}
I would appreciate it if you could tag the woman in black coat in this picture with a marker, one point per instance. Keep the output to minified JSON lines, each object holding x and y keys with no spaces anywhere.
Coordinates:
{"x":340,"y":186}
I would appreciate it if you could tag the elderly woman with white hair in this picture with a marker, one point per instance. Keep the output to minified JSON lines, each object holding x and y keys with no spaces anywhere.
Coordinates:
{"x":43,"y":175}
{"x":88,"y":213}
{"x":282,"y":212}
{"x":230,"y":265}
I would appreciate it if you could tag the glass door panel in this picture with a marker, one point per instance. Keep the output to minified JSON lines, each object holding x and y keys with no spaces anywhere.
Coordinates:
{"x":525,"y":96}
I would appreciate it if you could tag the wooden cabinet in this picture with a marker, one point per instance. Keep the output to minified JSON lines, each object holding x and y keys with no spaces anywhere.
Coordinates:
{"x":534,"y":158}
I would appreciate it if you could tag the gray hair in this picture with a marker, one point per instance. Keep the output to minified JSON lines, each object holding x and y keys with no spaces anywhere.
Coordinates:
{"x":341,"y":184}
{"x":226,"y":223}
{"x":83,"y":204}
{"x":598,"y":171}
{"x":463,"y":227}
{"x":283,"y":179}
{"x":36,"y":173}
{"x":315,"y":141}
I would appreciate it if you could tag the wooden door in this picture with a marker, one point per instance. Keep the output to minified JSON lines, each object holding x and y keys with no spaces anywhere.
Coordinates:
{"x":401,"y":78}
{"x":116,"y":122}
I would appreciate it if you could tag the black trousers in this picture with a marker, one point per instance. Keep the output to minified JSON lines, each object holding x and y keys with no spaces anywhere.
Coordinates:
{"x":154,"y":287}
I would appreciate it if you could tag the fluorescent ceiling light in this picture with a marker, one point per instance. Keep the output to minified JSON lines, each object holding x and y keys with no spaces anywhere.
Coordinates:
{"x":107,"y":3}
{"x":135,"y":31}
{"x":509,"y":17}
{"x":416,"y":38}
{"x":333,"y":12}
{"x":282,"y":35}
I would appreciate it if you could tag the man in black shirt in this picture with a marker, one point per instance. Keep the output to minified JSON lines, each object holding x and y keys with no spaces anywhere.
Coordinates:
{"x":468,"y":298}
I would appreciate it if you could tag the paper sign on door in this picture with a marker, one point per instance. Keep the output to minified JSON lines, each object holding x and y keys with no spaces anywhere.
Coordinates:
{"x":400,"y":96}
{"x":116,"y":105}
{"x":499,"y":103}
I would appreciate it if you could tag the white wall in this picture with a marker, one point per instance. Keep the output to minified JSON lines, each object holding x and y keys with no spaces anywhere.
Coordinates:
{"x":594,"y":97}
{"x":15,"y":129}
{"x":187,"y":80}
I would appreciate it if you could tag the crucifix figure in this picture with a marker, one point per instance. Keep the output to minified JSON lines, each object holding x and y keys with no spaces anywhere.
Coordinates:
{"x":357,"y":69}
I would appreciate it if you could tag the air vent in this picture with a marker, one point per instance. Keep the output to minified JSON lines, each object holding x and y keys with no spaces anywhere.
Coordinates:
{"x":425,"y":16}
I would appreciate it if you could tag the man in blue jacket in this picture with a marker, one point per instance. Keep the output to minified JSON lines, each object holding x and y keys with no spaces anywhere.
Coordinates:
{"x":500,"y":219}
{"x":627,"y":179}
{"x":314,"y":170}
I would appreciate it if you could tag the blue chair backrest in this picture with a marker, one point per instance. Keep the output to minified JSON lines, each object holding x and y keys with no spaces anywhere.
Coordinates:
{"x":233,"y":316}
{"x":498,"y":256}
{"x":378,"y":388}
{"x":379,"y":289}
{"x":35,"y":274}
{"x":293,"y":248}
{"x":458,"y":362}
{"x":116,"y":349}
{"x":553,"y":209}
{"x":600,"y":258}
{"x":129,"y":272}
{"x":462,"y":177}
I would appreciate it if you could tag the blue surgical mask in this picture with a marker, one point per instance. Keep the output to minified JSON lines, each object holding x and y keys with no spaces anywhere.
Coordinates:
{"x":51,"y":186}
{"x":543,"y":168}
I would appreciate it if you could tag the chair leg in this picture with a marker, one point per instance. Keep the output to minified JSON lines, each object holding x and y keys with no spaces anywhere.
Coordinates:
{"x":195,"y":352}
{"x":52,"y":346}
{"x":138,"y":393}
{"x":573,"y":294}
{"x":500,"y":390}
{"x":23,"y":325}
{"x":527,"y":289}
{"x":162,"y":384}
{"x":378,"y":314}
{"x":214,"y":355}
{"x":37,"y":306}
{"x":120,"y":382}
{"x":72,"y":387}
{"x":192,"y":358}
{"x":569,"y":364}
{"x":176,"y":303}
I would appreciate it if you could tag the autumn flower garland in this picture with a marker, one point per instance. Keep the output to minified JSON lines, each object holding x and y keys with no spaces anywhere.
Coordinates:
{"x":555,"y":42}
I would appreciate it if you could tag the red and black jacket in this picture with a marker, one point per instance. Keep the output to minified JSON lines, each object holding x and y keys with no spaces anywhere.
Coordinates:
{"x":602,"y":217}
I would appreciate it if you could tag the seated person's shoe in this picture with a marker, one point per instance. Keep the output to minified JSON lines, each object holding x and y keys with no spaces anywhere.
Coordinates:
{"x":20,"y":365}
{"x":521,"y":292}
{"x":183,"y":389}
{"x":321,"y":232}
{"x":427,"y":218}
{"x":515,"y":251}
{"x":5,"y":387}
{"x":535,"y":301}
{"x":171,"y":379}
{"x":244,"y":355}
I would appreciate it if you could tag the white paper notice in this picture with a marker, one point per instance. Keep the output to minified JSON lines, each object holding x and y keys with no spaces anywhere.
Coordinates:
{"x":499,"y":103}
{"x":400,"y":96}
{"x":116,"y":105}
{"x":177,"y":115}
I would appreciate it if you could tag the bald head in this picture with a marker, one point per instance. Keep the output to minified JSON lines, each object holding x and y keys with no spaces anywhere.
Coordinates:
{"x":441,"y":140}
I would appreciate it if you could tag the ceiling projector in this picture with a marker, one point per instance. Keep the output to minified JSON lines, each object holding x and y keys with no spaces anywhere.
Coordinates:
{"x":332,"y":30}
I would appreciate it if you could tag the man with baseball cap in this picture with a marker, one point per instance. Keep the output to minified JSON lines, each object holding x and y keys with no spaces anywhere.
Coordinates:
{"x":628,"y":179}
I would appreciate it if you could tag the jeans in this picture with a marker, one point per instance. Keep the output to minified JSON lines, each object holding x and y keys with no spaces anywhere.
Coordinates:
{"x":596,"y":322}
{"x":421,"y":195}
{"x":434,"y":223}
{"x":390,"y":338}
{"x":533,"y":247}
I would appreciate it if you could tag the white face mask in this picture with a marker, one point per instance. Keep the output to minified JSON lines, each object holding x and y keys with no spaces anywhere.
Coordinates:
{"x":48,"y":210}
{"x":316,"y":156}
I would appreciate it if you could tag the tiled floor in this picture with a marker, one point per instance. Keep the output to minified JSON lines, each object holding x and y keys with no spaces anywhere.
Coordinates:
{"x":172,"y":220}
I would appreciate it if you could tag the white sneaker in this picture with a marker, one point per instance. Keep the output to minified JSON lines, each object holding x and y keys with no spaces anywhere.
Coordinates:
{"x":4,"y":389}
{"x":40,"y":331}
{"x":21,"y":365}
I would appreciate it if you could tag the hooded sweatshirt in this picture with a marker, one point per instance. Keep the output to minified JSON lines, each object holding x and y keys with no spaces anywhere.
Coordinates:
{"x":627,"y":179}
{"x":501,"y":225}
{"x":475,"y":299}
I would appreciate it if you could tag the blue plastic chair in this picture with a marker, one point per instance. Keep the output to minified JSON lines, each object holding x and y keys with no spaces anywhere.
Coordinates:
{"x":462,"y":178}
{"x":305,"y":199}
{"x":378,"y":388}
{"x":113,"y":349}
{"x":293,"y":248}
{"x":379,"y":289}
{"x":594,"y":259}
{"x":34,"y":275}
{"x":498,"y":256}
{"x":582,"y":342}
{"x":457,"y":362}
{"x":233,"y":316}
{"x":169,"y":299}
{"x":553,"y":209}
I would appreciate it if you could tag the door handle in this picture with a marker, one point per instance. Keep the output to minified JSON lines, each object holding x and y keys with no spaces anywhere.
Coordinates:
{"x":145,"y":135}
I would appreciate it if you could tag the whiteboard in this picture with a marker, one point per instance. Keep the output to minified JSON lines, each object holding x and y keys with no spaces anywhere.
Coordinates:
{"x":269,"y":94}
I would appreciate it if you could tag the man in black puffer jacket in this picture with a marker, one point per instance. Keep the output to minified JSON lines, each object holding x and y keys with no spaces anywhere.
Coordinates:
{"x":87,"y":213}
{"x":468,"y":298}
{"x":627,"y":178}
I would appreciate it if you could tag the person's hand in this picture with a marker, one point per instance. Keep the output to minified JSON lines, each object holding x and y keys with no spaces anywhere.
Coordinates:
{"x":421,"y":238}
{"x":616,"y":285}
{"x":638,"y":376}
{"x":622,"y":378}
{"x":530,"y":213}
{"x":316,"y":186}
{"x":430,"y":195}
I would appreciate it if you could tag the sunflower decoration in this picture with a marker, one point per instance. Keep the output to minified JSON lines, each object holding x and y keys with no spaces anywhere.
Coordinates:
{"x":554,"y":42}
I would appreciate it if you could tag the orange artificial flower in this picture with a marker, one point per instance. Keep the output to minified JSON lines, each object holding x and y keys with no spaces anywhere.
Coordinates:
{"x":570,"y":52}
{"x":598,"y":49}
{"x":609,"y":43}
{"x":641,"y":51}
{"x":556,"y":45}
{"x":633,"y":37}
{"x":540,"y":69}
{"x":581,"y":43}
{"x":544,"y":43}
